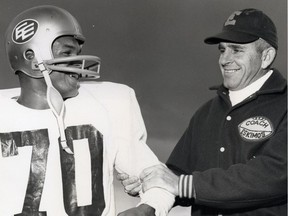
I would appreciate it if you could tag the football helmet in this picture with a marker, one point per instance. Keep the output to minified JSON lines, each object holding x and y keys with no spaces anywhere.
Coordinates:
{"x":29,"y":40}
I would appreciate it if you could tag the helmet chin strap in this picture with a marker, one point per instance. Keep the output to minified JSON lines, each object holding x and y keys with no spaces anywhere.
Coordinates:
{"x":56,"y":104}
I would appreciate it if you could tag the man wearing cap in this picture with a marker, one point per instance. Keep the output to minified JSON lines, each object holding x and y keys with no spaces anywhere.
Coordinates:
{"x":232,"y":158}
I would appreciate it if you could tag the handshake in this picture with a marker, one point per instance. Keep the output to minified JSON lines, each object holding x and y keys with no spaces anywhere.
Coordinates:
{"x":155,"y":176}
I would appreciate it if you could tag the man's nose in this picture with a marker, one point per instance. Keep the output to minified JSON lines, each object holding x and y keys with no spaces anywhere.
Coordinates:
{"x":226,"y":57}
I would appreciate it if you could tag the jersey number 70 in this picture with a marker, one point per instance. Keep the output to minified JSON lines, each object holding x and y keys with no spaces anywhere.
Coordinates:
{"x":39,"y":140}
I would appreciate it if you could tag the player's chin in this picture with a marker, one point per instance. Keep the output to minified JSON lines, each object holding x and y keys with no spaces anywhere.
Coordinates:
{"x":70,"y":94}
{"x":70,"y":91}
{"x":75,"y":89}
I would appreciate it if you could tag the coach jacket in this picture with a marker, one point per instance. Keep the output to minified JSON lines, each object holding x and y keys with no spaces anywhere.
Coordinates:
{"x":237,"y":155}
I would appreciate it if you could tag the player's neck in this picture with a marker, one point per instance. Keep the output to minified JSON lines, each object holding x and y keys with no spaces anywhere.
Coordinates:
{"x":33,"y":100}
{"x":33,"y":93}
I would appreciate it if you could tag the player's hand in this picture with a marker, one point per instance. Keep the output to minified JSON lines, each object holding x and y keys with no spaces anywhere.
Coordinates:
{"x":132,"y":185}
{"x":159,"y":176}
{"x":141,"y":210}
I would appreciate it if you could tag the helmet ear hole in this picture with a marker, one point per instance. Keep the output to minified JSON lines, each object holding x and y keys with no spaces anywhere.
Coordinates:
{"x":29,"y":54}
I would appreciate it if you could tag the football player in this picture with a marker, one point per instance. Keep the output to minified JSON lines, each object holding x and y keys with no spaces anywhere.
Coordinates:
{"x":61,"y":139}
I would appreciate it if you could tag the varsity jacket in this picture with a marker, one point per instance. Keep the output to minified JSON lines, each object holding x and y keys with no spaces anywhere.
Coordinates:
{"x":237,"y":155}
{"x":104,"y":130}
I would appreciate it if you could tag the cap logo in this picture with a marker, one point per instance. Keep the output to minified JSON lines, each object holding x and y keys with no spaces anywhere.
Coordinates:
{"x":255,"y":128}
{"x":231,"y":19}
{"x":24,"y":31}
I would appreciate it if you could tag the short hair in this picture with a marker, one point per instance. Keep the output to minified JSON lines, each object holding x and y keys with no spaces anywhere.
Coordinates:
{"x":261,"y":45}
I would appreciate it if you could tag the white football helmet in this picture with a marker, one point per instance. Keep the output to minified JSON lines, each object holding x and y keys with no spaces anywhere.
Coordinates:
{"x":29,"y":40}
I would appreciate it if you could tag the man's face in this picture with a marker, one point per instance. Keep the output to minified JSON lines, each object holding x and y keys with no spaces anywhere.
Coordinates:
{"x":240,"y":64}
{"x":67,"y":84}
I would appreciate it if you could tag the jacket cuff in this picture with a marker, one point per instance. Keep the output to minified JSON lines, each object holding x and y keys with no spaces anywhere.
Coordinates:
{"x":186,"y":187}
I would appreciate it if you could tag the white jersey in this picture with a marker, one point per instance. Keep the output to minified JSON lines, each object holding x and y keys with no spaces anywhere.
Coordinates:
{"x":104,"y":129}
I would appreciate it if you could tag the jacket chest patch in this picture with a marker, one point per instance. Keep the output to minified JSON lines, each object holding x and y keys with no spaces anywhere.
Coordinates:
{"x":256,"y":128}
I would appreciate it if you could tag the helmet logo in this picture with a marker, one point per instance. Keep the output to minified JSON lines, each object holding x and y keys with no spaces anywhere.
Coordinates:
{"x":24,"y":31}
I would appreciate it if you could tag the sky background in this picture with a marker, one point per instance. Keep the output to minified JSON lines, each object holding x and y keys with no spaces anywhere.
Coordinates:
{"x":155,"y":47}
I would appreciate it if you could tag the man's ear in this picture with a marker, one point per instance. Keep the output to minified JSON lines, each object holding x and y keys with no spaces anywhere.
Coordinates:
{"x":268,"y":56}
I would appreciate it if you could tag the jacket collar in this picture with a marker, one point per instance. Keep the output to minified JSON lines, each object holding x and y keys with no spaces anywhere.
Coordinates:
{"x":275,"y":83}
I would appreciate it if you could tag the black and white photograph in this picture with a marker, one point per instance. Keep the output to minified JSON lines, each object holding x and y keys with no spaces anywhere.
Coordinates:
{"x":143,"y":108}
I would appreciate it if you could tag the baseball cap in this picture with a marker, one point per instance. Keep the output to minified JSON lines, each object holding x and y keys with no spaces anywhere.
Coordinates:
{"x":246,"y":26}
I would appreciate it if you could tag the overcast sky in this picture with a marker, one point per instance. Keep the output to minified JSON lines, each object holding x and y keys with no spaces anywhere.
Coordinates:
{"x":156,"y":47}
